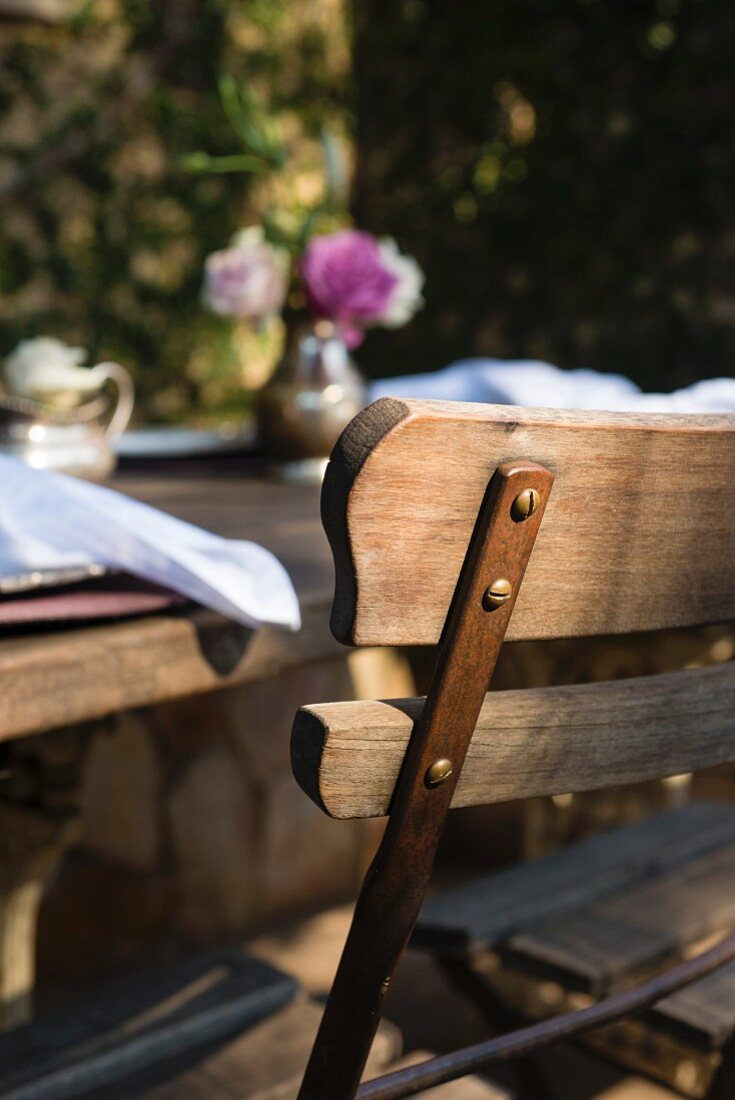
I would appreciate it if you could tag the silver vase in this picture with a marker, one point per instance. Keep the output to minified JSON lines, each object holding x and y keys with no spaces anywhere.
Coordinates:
{"x":314,"y":392}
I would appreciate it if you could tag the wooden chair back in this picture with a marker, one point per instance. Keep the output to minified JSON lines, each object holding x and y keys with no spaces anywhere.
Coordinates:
{"x":465,"y":525}
{"x":638,"y":534}
{"x":638,"y":528}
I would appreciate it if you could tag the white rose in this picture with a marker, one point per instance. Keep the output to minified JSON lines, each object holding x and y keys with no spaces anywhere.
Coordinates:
{"x":248,"y":279}
{"x":44,"y":367}
{"x":250,"y":237}
{"x":406,"y":298}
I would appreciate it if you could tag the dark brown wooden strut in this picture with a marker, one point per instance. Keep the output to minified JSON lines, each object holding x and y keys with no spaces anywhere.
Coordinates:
{"x":396,"y":883}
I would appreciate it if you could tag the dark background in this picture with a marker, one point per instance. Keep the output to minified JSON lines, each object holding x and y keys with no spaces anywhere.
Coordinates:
{"x":605,"y":236}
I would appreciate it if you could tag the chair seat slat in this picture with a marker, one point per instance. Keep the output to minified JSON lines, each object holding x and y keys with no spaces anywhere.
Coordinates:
{"x":609,"y":941}
{"x":490,"y":911}
{"x":703,"y":1013}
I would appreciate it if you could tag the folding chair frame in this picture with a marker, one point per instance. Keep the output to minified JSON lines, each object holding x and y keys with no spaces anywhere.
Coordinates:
{"x":396,"y":883}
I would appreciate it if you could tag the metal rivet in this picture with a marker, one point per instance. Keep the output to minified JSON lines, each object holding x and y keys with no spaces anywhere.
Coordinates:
{"x":525,"y":504}
{"x":439,"y":771}
{"x":497,"y":593}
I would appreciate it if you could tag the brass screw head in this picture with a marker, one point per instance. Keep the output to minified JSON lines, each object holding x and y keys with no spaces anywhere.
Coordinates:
{"x":497,"y":593}
{"x":439,"y":771}
{"x":525,"y":504}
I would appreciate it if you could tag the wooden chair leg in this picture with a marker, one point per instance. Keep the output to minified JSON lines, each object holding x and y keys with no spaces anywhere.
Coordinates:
{"x":529,"y":1079}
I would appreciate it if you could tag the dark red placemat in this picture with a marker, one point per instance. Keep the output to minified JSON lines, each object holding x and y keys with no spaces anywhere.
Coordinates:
{"x":115,"y":596}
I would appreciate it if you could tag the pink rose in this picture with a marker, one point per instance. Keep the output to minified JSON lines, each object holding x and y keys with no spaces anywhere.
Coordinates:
{"x":248,"y":279}
{"x":356,"y":281}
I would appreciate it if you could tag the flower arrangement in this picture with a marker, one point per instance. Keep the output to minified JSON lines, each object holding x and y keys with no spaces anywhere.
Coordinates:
{"x":348,"y":277}
{"x":301,"y":264}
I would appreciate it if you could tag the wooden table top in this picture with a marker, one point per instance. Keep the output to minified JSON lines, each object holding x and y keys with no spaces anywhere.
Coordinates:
{"x":58,"y":677}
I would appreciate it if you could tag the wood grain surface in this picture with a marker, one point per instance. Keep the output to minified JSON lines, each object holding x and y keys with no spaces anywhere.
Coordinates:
{"x":54,"y":678}
{"x":612,"y":940}
{"x":638,"y":533}
{"x":537,"y":741}
{"x":542,"y":893}
{"x":703,"y":1013}
{"x":84,"y":1046}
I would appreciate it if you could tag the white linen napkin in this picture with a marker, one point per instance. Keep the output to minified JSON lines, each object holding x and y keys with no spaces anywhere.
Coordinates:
{"x":541,"y":385}
{"x":51,"y":521}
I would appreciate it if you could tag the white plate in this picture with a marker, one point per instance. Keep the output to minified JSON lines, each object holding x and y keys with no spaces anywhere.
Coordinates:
{"x":178,"y":442}
{"x":48,"y":578}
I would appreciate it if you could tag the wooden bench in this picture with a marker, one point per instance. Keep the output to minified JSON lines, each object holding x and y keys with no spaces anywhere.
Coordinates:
{"x":220,"y":1025}
{"x":468,"y":525}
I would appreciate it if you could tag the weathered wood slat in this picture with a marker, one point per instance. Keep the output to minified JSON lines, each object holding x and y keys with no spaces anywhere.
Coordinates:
{"x":604,"y":912}
{"x":606,"y":942}
{"x":703,"y":1013}
{"x":264,"y":1063}
{"x":538,"y":741}
{"x":640,"y":521}
{"x":77,"y":675}
{"x":490,"y":911}
{"x":138,"y":1023}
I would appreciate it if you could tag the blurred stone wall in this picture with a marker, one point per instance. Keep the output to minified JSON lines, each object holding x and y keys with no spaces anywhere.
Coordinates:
{"x":565,"y":174}
{"x":190,"y":827}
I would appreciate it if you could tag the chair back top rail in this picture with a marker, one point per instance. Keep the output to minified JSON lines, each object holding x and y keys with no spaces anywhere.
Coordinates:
{"x":639,"y":532}
{"x":527,"y":743}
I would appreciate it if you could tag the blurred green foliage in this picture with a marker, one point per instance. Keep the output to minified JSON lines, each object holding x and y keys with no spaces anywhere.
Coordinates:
{"x":135,"y":138}
{"x":565,"y":173}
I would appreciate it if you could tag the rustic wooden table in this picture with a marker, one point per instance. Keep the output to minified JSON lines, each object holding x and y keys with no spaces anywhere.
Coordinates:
{"x":158,"y":764}
{"x":56,"y":678}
